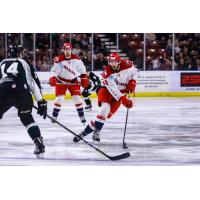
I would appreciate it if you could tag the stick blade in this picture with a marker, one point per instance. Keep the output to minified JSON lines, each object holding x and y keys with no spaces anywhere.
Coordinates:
{"x":120,"y":157}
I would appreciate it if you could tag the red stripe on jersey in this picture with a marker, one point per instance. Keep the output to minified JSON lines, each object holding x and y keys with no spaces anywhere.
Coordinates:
{"x":101,"y":117}
{"x":93,"y":123}
{"x":80,"y":104}
{"x":63,"y":79}
{"x":56,"y":104}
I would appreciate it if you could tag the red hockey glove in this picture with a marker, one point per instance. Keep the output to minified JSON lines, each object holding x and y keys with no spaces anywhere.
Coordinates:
{"x":53,"y":81}
{"x":84,"y":81}
{"x":126,"y":102}
{"x":131,"y":86}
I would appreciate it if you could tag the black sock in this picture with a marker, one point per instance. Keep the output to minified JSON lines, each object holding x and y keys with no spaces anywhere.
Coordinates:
{"x":56,"y":112}
{"x":80,"y":112}
{"x":34,"y":132}
{"x":88,"y":130}
{"x":98,"y":125}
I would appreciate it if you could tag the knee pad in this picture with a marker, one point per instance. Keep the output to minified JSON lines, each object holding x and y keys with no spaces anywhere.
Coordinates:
{"x":104,"y":109}
{"x":26,"y":117}
{"x":77,"y":101}
{"x":59,"y":99}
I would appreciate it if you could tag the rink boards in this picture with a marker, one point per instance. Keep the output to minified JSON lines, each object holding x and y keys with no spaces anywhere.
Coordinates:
{"x":149,"y":84}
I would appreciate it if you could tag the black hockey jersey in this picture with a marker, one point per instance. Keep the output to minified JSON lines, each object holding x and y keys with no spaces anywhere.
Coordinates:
{"x":94,"y":82}
{"x":18,"y":71}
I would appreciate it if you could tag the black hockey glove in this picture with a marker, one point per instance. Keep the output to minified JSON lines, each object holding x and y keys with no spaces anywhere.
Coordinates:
{"x":42,"y":108}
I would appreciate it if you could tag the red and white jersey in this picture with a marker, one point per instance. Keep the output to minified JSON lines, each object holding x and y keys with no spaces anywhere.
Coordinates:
{"x":67,"y":69}
{"x":117,"y":81}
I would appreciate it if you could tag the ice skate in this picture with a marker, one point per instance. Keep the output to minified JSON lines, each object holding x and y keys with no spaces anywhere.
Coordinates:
{"x":83,"y":120}
{"x":39,"y":147}
{"x":88,"y":108}
{"x":96,"y":136}
{"x":77,"y":139}
{"x":53,"y":119}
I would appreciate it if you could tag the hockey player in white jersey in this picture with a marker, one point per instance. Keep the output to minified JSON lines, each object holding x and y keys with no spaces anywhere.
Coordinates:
{"x":68,"y":73}
{"x":118,"y":79}
{"x":18,"y":82}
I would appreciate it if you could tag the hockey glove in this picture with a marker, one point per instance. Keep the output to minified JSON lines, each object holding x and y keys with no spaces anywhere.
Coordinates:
{"x":42,"y":108}
{"x":131,"y":86}
{"x":126,"y":102}
{"x":53,"y":81}
{"x":84,"y":81}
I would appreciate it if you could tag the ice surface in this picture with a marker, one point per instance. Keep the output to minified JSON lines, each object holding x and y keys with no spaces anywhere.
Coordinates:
{"x":160,"y":131}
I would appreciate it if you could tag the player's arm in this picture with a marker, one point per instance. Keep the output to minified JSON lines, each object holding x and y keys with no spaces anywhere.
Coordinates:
{"x":133,"y":81}
{"x":1,"y":76}
{"x":34,"y":88}
{"x":55,"y":71}
{"x":82,"y":70}
{"x":110,"y":84}
{"x":35,"y":77}
{"x":96,"y":81}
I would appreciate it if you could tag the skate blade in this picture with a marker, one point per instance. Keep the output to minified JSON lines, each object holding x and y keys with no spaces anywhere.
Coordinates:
{"x":40,"y":156}
{"x":96,"y":142}
{"x":88,"y":110}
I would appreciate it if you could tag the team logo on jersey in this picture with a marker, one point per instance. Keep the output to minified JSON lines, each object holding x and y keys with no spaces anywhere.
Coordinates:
{"x":69,"y":70}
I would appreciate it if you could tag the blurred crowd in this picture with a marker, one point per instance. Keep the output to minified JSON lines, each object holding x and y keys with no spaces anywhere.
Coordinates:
{"x":158,"y":55}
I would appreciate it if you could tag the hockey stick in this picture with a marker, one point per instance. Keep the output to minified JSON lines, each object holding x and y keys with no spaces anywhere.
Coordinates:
{"x":118,"y":157}
{"x":124,"y":145}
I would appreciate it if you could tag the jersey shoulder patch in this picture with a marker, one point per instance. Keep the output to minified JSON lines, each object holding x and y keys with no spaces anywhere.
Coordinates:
{"x":74,"y":56}
{"x":126,"y":64}
{"x":107,"y":72}
{"x":59,"y":58}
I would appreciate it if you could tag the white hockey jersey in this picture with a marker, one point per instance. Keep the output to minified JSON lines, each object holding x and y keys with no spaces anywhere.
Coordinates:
{"x":116,"y":81}
{"x":66,"y":70}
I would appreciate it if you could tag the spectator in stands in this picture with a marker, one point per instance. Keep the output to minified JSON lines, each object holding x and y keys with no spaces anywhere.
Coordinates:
{"x":197,"y":64}
{"x":85,"y":60}
{"x":155,"y":63}
{"x":38,"y":66}
{"x":100,"y":62}
{"x":166,"y":65}
{"x":76,"y":49}
{"x":182,"y":65}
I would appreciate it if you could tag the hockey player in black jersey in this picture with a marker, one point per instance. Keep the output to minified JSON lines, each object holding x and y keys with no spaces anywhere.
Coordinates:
{"x":18,"y":82}
{"x":94,"y":84}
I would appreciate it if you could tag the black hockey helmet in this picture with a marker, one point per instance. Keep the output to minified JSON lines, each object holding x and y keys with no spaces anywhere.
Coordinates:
{"x":14,"y":50}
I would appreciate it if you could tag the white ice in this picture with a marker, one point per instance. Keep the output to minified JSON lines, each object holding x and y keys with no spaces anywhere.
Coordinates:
{"x":160,"y":131}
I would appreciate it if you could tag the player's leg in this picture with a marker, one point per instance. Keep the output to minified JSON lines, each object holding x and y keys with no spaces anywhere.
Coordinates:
{"x":24,"y":104}
{"x":106,"y":111}
{"x":60,"y":96}
{"x":87,"y":100}
{"x":100,"y":120}
{"x":75,"y":93}
{"x":104,"y":102}
{"x":5,"y":98}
